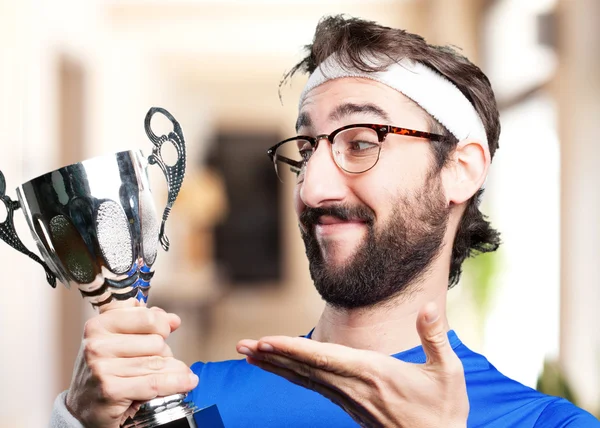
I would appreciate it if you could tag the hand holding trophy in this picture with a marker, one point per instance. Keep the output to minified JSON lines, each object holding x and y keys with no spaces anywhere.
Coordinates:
{"x":96,"y":227}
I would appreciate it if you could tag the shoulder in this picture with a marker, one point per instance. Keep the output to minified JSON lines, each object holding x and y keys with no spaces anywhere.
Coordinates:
{"x":561,"y":413}
{"x":497,"y":400}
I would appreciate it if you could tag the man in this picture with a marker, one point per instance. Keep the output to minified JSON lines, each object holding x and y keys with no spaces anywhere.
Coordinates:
{"x":395,"y":140}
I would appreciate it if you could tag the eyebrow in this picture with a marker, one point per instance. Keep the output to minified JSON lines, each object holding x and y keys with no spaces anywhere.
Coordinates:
{"x":344,"y":110}
{"x":303,"y":120}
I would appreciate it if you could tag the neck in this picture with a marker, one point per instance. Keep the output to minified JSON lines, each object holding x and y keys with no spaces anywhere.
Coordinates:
{"x":388,"y":328}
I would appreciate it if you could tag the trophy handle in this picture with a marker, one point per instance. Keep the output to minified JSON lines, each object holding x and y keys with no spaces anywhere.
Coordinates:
{"x":174,"y":174}
{"x":9,"y":235}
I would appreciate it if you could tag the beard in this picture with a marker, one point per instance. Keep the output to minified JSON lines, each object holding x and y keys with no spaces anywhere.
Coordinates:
{"x":390,"y":261}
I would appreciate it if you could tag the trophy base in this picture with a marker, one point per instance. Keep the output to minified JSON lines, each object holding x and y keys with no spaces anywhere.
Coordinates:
{"x":173,"y":412}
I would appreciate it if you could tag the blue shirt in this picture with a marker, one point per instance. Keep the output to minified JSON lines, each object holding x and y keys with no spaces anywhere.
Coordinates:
{"x":247,"y":396}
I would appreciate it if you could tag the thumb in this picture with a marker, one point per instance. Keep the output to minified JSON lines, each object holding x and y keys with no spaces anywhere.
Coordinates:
{"x":434,"y":337}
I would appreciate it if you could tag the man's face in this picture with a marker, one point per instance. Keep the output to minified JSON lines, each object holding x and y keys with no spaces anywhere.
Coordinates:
{"x":368,"y":236}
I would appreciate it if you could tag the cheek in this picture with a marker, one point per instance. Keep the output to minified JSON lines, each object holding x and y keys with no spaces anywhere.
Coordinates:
{"x":404,"y":168}
{"x":378,"y":195}
{"x":449,"y":183}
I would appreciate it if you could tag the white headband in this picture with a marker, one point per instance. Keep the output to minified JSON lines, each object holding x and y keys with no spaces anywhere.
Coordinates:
{"x":430,"y":90}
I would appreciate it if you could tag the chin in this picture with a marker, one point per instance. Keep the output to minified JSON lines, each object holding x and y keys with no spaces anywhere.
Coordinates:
{"x":338,"y":254}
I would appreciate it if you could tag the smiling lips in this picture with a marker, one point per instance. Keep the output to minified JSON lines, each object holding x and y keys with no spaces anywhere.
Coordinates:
{"x":329,"y":224}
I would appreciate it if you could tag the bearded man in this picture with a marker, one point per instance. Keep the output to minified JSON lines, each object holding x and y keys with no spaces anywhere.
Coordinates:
{"x":394,"y":141}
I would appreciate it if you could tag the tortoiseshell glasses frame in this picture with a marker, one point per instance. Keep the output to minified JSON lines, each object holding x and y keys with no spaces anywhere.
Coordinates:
{"x":348,"y":157}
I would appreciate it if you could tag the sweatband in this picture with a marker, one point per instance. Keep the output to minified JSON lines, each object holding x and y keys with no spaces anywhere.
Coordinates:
{"x":429,"y":89}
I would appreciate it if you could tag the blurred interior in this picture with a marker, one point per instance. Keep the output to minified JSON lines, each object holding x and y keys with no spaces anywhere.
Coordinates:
{"x":77,"y":78}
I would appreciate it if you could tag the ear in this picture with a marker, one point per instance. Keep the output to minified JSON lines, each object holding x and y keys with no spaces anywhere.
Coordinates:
{"x":466,"y":172}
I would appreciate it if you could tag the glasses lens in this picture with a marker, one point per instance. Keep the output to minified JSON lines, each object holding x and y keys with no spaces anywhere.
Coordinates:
{"x":356,"y":149}
{"x":290,"y":159}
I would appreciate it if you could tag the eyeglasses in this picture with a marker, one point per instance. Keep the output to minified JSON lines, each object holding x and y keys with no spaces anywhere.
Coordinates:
{"x":356,"y":149}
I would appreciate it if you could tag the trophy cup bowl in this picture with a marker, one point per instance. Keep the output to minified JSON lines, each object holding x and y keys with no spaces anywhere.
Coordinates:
{"x":97,"y":228}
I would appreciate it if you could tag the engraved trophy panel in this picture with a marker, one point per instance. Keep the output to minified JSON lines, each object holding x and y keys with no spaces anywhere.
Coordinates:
{"x":96,"y":227}
{"x":95,"y":224}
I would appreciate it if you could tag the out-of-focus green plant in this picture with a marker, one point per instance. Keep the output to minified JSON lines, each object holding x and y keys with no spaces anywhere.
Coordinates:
{"x":480,"y":281}
{"x":552,"y":381}
{"x":479,"y":273}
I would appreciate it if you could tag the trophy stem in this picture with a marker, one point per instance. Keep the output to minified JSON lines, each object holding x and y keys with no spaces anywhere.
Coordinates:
{"x":166,"y":412}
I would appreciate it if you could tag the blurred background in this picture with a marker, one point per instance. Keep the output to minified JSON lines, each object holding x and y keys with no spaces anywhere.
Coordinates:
{"x":77,"y":78}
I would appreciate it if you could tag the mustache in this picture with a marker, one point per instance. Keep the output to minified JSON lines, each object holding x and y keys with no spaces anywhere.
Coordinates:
{"x":310,"y":216}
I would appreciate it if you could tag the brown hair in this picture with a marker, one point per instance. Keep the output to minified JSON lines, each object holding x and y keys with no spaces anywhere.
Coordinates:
{"x":354,"y":40}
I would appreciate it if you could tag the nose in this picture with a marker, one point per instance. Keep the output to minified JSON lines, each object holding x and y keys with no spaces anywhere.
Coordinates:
{"x":323,"y":182}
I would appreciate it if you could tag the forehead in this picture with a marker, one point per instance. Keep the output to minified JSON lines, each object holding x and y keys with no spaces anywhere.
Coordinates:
{"x":338,"y":101}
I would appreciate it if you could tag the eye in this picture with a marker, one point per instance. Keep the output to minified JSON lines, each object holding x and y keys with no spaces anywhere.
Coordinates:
{"x":357,"y":142}
{"x":305,"y":149}
{"x":305,"y":154}
{"x":357,"y":146}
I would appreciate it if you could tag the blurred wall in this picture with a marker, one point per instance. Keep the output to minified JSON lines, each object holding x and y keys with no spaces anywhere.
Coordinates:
{"x":577,"y":85}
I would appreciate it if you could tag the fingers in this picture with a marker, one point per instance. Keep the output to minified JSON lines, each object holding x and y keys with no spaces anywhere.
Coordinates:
{"x":125,"y":346}
{"x":144,"y":388}
{"x":434,"y":336}
{"x":299,"y":370}
{"x":247,"y":347}
{"x":138,"y":366}
{"x":326,"y":356}
{"x":288,"y":362}
{"x":133,"y":320}
{"x":315,"y":362}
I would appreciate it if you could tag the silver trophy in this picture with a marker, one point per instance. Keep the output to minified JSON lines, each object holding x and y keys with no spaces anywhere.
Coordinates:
{"x":96,"y":227}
